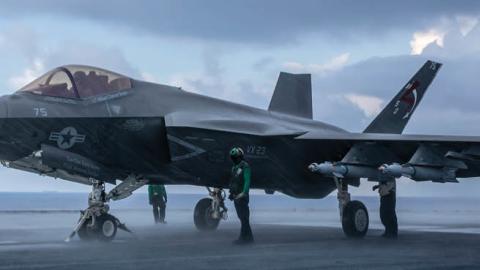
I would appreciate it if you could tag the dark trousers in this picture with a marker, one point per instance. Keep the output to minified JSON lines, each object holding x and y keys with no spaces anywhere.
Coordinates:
{"x":159,"y":210}
{"x":243,"y":213}
{"x":388,"y":215}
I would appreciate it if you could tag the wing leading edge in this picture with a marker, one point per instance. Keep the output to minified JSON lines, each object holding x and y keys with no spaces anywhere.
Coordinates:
{"x":371,"y":137}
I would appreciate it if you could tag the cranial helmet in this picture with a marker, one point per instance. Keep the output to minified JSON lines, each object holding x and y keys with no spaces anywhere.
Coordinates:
{"x":236,"y":154}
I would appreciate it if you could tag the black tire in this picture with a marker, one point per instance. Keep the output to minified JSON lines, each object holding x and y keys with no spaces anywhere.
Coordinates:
{"x":202,"y":216}
{"x":355,"y":219}
{"x":105,"y":227}
{"x":84,"y":233}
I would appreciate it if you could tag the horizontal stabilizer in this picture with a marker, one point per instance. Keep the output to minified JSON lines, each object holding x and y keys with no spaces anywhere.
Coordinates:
{"x":395,"y":116}
{"x":293,"y":95}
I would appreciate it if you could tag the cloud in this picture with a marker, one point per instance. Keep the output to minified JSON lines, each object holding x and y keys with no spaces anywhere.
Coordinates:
{"x":449,"y":39}
{"x":466,"y":23}
{"x":209,"y":81}
{"x":85,"y":53}
{"x":263,"y":63}
{"x":423,"y":39}
{"x":216,"y":81}
{"x":273,"y":22}
{"x":146,"y":76}
{"x":41,"y":57}
{"x":107,"y":58}
{"x":21,"y":38}
{"x":28,"y":75}
{"x":294,"y":67}
{"x":370,"y":106}
{"x":449,"y":107}
{"x":333,"y":64}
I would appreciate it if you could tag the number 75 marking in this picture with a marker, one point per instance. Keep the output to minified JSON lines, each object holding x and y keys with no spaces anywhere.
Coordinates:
{"x":40,"y":112}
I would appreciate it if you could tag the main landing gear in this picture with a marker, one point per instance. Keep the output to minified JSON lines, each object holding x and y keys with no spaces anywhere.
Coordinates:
{"x":95,"y":222}
{"x":209,"y":211}
{"x":353,"y":214}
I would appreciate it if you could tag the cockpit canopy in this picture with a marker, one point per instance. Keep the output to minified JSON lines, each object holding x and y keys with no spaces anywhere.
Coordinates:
{"x":75,"y":81}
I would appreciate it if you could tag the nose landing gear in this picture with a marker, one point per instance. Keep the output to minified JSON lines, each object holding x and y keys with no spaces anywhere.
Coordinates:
{"x":95,"y":222}
{"x":103,"y":227}
{"x":209,"y":211}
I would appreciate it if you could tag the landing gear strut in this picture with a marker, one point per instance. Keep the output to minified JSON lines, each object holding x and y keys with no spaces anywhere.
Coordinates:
{"x":95,"y":222}
{"x":354,"y":214}
{"x":209,"y":211}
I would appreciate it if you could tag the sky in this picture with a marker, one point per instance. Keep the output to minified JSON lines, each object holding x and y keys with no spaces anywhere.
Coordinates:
{"x":360,"y":53}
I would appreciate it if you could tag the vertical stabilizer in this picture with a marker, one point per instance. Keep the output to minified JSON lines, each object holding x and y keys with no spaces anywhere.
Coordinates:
{"x":395,"y":116}
{"x":293,"y":95}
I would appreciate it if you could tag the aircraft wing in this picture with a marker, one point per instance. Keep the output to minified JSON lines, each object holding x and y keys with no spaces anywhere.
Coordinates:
{"x":378,"y":137}
{"x":419,"y":157}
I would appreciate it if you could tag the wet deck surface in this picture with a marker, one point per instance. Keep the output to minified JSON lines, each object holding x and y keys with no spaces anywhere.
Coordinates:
{"x":37,"y":242}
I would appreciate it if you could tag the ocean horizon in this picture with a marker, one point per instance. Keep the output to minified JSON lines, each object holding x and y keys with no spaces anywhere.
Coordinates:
{"x":63,"y":201}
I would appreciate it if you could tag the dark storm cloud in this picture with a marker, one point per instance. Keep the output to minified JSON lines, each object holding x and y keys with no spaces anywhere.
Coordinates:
{"x":270,"y":21}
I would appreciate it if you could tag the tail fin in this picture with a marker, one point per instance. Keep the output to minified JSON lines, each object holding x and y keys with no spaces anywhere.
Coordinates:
{"x":395,"y":116}
{"x":293,"y":95}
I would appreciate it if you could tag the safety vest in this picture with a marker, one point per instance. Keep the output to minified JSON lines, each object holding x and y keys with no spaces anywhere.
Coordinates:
{"x":240,"y":179}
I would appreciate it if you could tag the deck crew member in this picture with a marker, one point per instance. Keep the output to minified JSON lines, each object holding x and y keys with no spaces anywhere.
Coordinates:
{"x":239,"y":188}
{"x":157,"y":196}
{"x":387,"y":191}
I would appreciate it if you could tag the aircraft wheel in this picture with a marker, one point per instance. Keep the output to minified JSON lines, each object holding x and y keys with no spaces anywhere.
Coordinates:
{"x":202,"y":216}
{"x":105,"y":227}
{"x":355,"y":219}
{"x":85,"y":233}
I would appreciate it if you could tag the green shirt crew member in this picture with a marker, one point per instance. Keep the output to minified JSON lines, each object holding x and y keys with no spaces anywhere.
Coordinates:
{"x":239,"y":188}
{"x":240,"y":184}
{"x":157,"y":196}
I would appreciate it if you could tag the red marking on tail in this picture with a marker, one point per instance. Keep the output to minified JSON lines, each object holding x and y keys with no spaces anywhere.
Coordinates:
{"x":408,"y":97}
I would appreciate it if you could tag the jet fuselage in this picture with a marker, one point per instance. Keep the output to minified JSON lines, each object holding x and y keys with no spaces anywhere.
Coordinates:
{"x":168,"y":135}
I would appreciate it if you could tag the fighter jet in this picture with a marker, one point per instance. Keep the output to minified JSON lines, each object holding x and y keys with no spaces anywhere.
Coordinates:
{"x":93,"y":126}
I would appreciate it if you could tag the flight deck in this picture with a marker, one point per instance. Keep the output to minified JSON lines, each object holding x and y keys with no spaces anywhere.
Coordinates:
{"x":433,"y":236}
